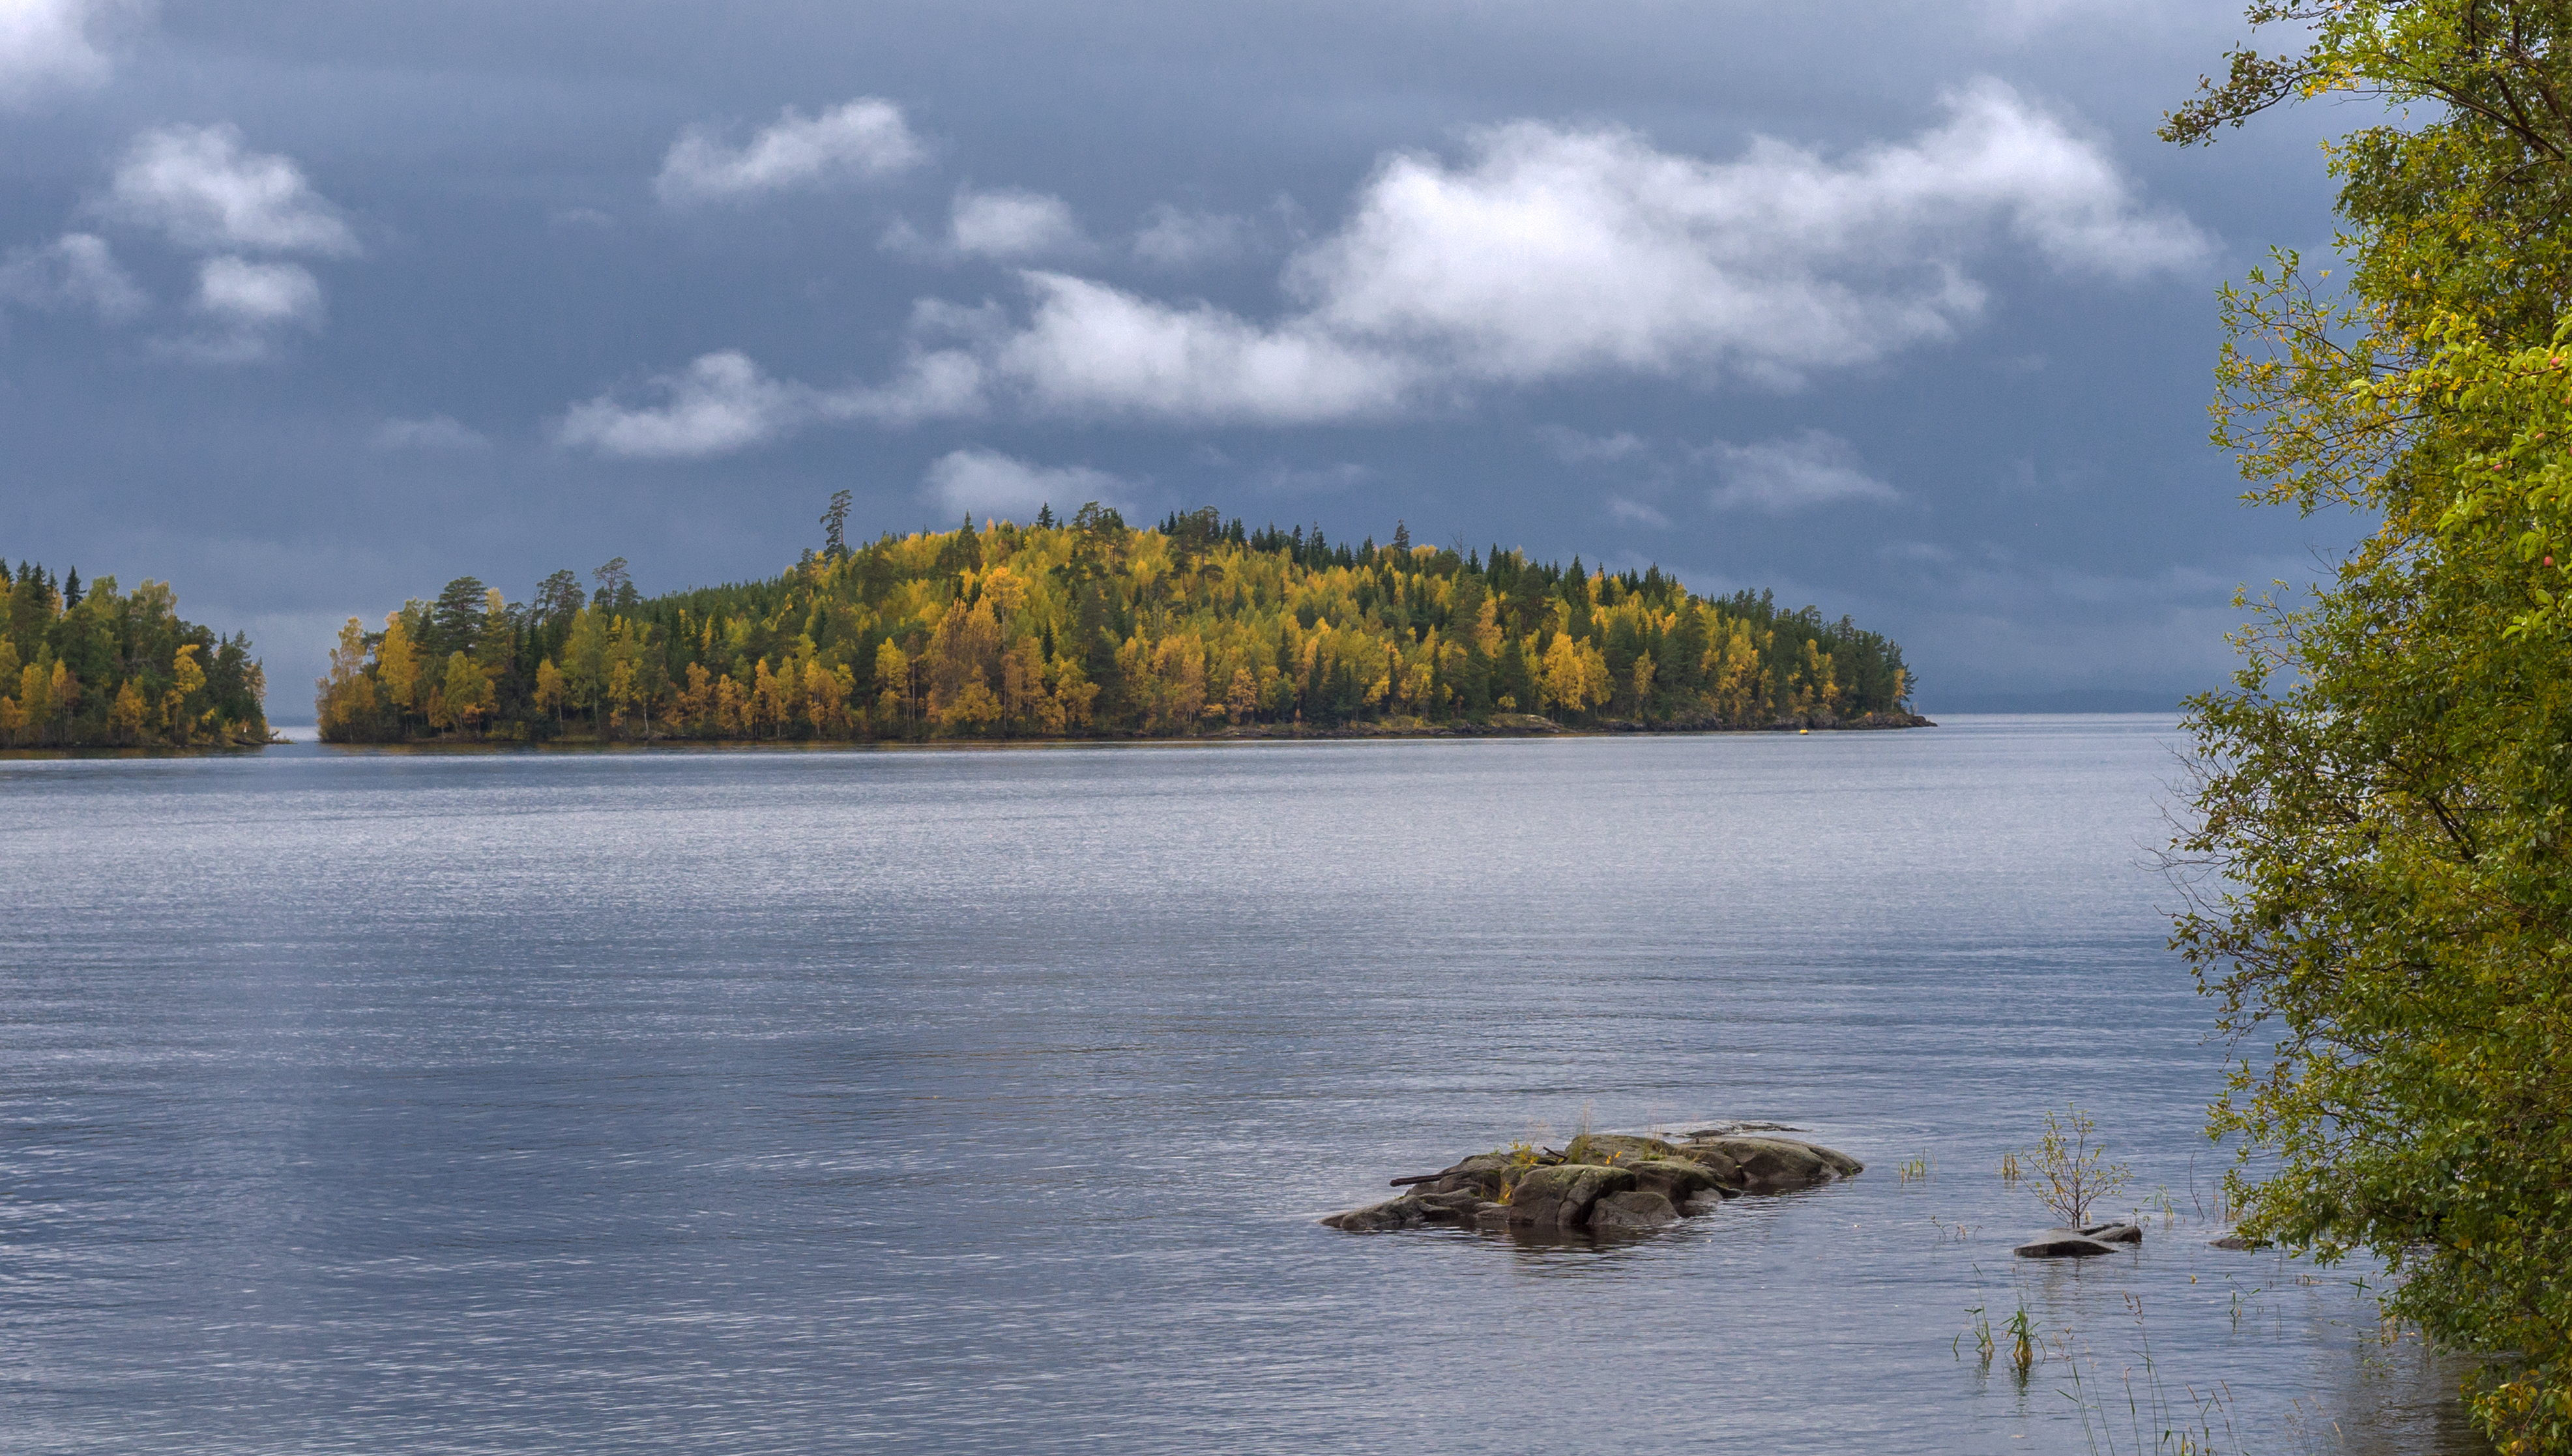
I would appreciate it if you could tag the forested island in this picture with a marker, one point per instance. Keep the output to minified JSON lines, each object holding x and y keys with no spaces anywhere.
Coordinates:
{"x":1089,"y":628}
{"x":92,"y":668}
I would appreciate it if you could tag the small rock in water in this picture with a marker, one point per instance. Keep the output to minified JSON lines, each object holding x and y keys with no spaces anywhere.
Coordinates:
{"x":2113,"y":1233}
{"x":2239,"y":1243}
{"x":1604,"y":1182}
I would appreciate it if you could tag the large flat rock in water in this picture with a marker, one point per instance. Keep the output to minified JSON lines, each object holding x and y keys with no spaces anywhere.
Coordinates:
{"x":1602,"y":1182}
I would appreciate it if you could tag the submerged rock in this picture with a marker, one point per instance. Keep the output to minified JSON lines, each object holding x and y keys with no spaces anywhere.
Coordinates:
{"x":2238,"y":1242}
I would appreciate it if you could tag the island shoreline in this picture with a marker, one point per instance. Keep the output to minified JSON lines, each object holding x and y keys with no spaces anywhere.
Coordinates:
{"x":1245,"y":734}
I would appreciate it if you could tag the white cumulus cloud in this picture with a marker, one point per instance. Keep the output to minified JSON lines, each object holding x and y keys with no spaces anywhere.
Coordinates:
{"x":75,"y":271}
{"x":942,"y":384}
{"x":257,"y":295}
{"x":1089,"y":348}
{"x":865,"y":138}
{"x":47,"y":46}
{"x":247,"y":306}
{"x":989,"y":484}
{"x":1800,"y":472}
{"x":202,"y":189}
{"x":1010,"y":224}
{"x":1555,"y":253}
{"x":723,"y":401}
{"x":1561,"y":251}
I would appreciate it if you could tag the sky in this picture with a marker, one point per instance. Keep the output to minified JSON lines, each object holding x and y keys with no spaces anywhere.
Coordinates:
{"x":1897,"y":309}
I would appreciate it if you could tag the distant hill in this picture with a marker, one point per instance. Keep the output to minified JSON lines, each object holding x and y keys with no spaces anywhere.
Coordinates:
{"x":1089,"y":628}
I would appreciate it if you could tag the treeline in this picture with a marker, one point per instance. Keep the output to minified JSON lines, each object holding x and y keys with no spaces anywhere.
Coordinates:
{"x":95,"y":667}
{"x":1087,"y":627}
{"x":2379,"y":889}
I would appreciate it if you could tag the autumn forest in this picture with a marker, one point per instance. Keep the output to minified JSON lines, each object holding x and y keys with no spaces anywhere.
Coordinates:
{"x":94,"y":667}
{"x":1089,"y":628}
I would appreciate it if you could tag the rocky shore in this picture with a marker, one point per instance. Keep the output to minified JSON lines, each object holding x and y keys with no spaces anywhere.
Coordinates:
{"x":1604,"y":1183}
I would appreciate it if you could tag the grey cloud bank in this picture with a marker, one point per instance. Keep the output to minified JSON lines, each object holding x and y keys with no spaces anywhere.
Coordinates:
{"x":1908,"y":318}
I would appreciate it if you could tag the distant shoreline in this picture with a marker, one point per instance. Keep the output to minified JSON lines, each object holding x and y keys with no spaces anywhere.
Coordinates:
{"x":1522,"y":726}
{"x":1260,"y":733}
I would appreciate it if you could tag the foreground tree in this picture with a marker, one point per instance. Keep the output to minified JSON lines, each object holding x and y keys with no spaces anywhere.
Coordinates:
{"x":2383,"y":792}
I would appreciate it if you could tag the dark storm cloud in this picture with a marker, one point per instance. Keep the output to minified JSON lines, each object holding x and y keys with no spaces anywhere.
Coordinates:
{"x":1897,"y":308}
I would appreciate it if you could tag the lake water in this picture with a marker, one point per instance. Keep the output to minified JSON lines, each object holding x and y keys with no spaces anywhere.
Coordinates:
{"x":787,"y":1102}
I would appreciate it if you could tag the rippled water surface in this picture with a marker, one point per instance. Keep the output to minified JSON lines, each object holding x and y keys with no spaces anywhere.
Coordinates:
{"x":986,"y":1100}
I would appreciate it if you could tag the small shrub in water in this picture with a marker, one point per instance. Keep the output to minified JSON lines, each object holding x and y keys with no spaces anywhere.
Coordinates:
{"x":2072,"y":1168}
